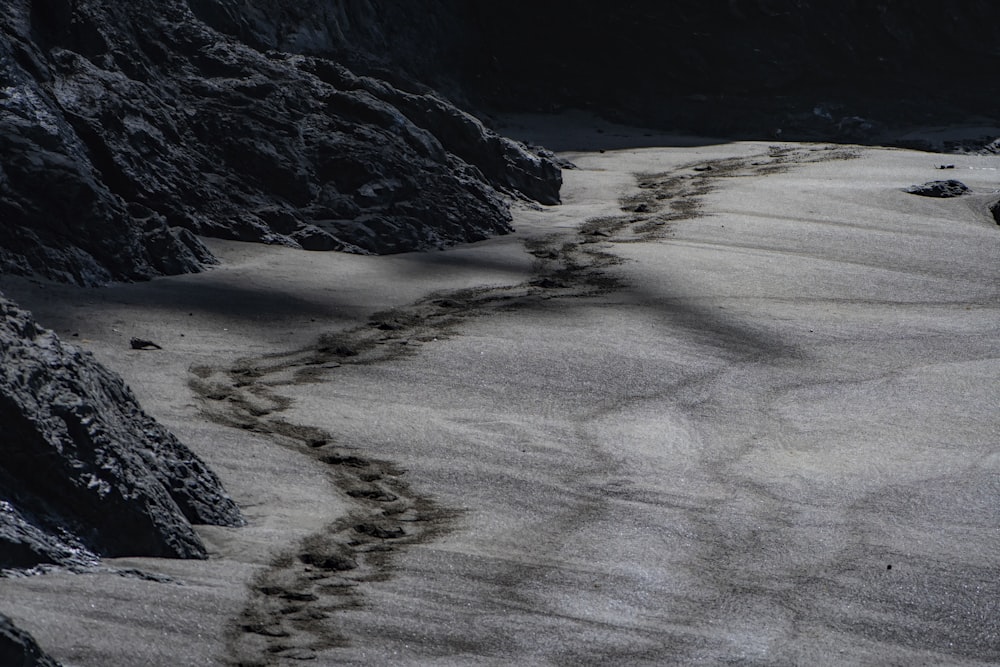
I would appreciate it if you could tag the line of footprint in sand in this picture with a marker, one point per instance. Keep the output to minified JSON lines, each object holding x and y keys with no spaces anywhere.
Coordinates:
{"x":289,"y":612}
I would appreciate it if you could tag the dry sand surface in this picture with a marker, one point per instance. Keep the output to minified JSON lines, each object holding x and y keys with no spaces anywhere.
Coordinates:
{"x":753,"y":418}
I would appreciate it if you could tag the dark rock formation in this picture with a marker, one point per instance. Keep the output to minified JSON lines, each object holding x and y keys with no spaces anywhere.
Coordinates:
{"x":19,"y":649}
{"x":995,"y":210}
{"x":127,"y":126}
{"x":823,"y":68}
{"x":413,"y":44}
{"x":84,"y":470}
{"x":941,"y":189}
{"x":811,"y":68}
{"x":58,"y":216}
{"x":507,"y":165}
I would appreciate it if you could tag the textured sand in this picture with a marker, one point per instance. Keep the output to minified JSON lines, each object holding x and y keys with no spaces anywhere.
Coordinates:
{"x":696,"y":432}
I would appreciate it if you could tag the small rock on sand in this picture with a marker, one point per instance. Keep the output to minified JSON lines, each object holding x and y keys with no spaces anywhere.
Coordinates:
{"x":941,"y":189}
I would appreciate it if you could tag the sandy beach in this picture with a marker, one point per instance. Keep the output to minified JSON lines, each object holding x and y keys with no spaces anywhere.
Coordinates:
{"x":728,"y":403}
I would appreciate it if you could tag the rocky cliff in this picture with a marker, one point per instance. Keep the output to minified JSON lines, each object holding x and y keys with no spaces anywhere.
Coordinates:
{"x":126,"y":127}
{"x":85,"y":472}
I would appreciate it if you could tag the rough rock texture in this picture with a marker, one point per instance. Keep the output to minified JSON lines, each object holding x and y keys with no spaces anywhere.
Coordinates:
{"x":940,"y":189}
{"x":85,"y":471}
{"x":809,"y":68}
{"x":126,"y":126}
{"x":58,"y":216}
{"x":413,"y":44}
{"x":508,"y":165}
{"x":18,"y":648}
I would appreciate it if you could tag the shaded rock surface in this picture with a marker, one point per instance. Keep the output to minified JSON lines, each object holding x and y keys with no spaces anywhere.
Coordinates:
{"x":19,"y":649}
{"x":413,"y":44}
{"x":126,"y":127}
{"x":940,"y":189}
{"x":749,"y":68}
{"x":85,"y":472}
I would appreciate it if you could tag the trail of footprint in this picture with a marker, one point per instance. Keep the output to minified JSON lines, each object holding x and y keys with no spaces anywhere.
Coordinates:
{"x":288,"y":612}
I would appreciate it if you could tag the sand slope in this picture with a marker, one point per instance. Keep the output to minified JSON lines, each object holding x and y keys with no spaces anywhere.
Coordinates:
{"x":697,"y":431}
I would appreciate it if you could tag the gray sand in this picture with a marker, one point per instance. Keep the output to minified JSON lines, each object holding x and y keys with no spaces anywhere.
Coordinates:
{"x":753,"y":422}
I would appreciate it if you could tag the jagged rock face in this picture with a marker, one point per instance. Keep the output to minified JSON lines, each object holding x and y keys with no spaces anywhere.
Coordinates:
{"x":19,"y":649}
{"x":410,"y":43}
{"x":84,"y":471}
{"x":58,"y":217}
{"x":125,"y":126}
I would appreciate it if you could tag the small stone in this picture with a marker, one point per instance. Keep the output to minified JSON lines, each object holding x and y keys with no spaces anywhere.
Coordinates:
{"x":143,"y":344}
{"x":939,"y":189}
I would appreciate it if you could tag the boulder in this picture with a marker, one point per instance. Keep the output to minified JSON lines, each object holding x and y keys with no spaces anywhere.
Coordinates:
{"x":940,"y":189}
{"x":85,"y":472}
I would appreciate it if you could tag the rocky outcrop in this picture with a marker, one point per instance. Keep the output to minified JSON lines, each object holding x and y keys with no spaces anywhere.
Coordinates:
{"x":412,"y":44}
{"x":126,"y":127}
{"x":763,"y":68}
{"x":58,"y":216}
{"x":85,"y":472}
{"x":19,"y":649}
{"x":939,"y":189}
{"x":507,"y":165}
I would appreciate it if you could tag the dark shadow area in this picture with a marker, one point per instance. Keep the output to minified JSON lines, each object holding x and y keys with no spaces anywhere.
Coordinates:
{"x":416,"y":264}
{"x":705,"y":123}
{"x":230,"y":300}
{"x":575,"y":130}
{"x":705,"y":326}
{"x":53,"y":303}
{"x":803,"y":70}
